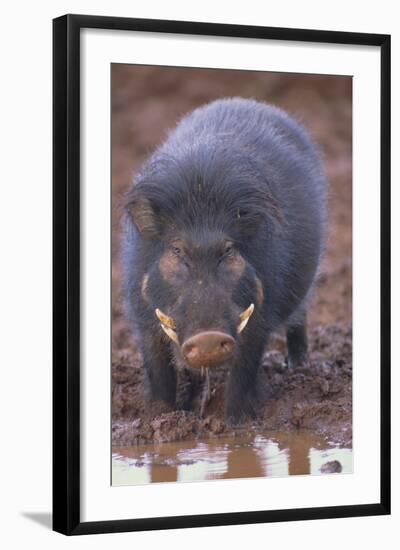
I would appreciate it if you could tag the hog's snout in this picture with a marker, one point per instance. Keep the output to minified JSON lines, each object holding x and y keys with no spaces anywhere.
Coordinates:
{"x":208,"y":349}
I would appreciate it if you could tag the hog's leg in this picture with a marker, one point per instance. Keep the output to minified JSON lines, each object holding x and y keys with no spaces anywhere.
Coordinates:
{"x":189,"y":384}
{"x":296,"y":334}
{"x":241,"y":395}
{"x":159,"y":371}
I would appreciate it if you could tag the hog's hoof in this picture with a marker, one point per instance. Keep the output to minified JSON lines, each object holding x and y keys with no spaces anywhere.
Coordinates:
{"x":157,"y":407}
{"x":297,"y":363}
{"x":240,"y":415}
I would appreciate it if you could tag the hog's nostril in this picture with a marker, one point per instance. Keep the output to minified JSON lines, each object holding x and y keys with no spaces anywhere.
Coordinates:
{"x":192,"y":351}
{"x":208,"y":349}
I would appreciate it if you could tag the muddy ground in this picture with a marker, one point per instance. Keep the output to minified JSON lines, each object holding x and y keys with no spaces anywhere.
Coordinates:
{"x":146,"y":101}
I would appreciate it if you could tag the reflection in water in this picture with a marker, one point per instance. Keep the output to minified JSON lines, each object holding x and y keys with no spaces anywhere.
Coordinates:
{"x":275,"y":455}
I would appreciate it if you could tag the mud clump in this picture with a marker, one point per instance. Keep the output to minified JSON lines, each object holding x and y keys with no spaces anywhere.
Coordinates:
{"x":331,"y":467}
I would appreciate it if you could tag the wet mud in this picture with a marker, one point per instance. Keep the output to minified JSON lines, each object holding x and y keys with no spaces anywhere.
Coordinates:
{"x":316,"y":398}
{"x":273,"y":454}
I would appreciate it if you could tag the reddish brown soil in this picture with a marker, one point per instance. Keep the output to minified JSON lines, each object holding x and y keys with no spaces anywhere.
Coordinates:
{"x":146,"y":101}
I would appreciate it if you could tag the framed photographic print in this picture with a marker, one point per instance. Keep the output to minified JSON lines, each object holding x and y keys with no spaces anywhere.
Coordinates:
{"x":221,"y":274}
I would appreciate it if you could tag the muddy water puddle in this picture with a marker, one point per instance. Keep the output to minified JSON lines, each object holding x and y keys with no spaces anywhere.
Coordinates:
{"x":268,"y":455}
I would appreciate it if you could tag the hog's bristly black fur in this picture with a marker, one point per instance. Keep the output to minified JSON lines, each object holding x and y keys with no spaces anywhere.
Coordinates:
{"x":229,"y":211}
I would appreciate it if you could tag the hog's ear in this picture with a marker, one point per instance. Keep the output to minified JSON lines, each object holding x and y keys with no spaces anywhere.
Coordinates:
{"x":143,"y":216}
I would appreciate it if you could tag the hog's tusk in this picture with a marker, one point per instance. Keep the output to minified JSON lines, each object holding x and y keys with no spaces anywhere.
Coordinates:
{"x":164,"y":319}
{"x":244,"y":317}
{"x":171,"y":333}
{"x":168,"y":325}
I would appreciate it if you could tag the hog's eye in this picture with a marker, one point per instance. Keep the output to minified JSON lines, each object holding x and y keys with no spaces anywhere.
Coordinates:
{"x":227,"y":252}
{"x":179,"y":252}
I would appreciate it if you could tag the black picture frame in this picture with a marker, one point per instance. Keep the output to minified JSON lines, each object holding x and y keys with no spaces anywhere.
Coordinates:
{"x":66,"y":272}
